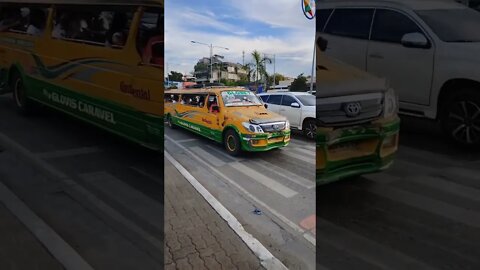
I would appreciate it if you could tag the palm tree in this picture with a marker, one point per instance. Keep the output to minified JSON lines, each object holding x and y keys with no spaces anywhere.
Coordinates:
{"x":259,"y":66}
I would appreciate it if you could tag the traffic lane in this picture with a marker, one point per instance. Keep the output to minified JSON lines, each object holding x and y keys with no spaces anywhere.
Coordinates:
{"x":286,"y":199}
{"x":424,"y":212}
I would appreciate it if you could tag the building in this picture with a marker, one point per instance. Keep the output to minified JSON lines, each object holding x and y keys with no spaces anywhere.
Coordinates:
{"x":221,"y":70}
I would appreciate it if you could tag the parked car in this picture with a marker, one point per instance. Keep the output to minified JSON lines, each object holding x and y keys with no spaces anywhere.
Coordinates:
{"x":297,"y":107}
{"x":428,"y":50}
{"x":357,"y":119}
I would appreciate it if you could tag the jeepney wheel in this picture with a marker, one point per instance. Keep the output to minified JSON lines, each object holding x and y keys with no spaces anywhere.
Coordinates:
{"x":22,"y":103}
{"x":169,"y":122}
{"x":461,"y":117}
{"x":232,"y":142}
{"x":310,"y":128}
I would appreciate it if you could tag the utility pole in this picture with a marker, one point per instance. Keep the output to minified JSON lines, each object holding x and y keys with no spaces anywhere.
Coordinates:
{"x":274,"y":70}
{"x":243,"y":58}
{"x":211,"y":54}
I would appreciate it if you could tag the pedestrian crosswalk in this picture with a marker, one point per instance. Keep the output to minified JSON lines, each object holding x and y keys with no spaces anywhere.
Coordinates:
{"x":284,"y":176}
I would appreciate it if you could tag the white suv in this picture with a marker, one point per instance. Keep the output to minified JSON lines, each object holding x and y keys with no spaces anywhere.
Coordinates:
{"x":298,"y":107}
{"x":428,"y":50}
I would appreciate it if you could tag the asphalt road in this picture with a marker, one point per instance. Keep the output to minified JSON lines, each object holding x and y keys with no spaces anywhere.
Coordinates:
{"x":279,"y":183}
{"x":423,"y":213}
{"x":104,"y":196}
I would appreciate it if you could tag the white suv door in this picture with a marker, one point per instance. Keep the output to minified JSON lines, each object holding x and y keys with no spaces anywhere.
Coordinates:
{"x":347,"y":31}
{"x":409,"y":67}
{"x":274,"y":102}
{"x":293,"y":114}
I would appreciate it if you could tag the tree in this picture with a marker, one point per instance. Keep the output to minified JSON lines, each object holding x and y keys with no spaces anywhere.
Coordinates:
{"x":175,"y":76}
{"x":201,"y":67}
{"x":278,"y":77}
{"x":299,"y":84}
{"x":259,"y":66}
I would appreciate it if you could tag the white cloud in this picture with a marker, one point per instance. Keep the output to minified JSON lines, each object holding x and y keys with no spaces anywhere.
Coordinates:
{"x":293,"y":48}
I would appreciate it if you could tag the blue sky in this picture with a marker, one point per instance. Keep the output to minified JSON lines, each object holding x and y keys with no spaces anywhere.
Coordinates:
{"x":269,"y":26}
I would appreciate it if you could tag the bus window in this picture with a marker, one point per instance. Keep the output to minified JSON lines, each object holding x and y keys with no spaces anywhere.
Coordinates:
{"x":150,"y":43}
{"x":92,"y":25}
{"x":25,"y":20}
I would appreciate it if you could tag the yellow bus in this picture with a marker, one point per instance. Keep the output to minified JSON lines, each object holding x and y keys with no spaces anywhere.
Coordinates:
{"x":233,"y":116}
{"x":99,"y":61}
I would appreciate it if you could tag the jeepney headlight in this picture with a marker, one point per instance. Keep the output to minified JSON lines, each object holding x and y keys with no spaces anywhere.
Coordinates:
{"x":252,"y":128}
{"x":390,"y":103}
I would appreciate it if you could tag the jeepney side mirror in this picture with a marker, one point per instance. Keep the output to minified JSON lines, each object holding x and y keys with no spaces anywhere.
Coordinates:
{"x":266,"y":105}
{"x":215,"y":108}
{"x":295,"y":105}
{"x":322,"y":44}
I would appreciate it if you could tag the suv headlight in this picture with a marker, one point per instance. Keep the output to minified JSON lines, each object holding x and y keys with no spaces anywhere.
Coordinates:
{"x":287,"y":125}
{"x":252,"y":128}
{"x":390,"y":103}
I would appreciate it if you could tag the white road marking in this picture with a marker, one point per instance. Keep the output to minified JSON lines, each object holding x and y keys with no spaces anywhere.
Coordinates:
{"x":187,"y":140}
{"x":59,"y":249}
{"x":299,"y":157}
{"x":207,"y":156}
{"x":309,"y":153}
{"x":264,"y":180}
{"x":78,"y":192}
{"x":69,"y":152}
{"x":266,"y":258}
{"x":225,"y":155}
{"x":297,"y":179}
{"x":257,"y":201}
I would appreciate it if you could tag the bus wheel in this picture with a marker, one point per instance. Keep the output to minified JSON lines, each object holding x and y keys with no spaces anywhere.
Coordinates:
{"x":232,"y":142}
{"x":309,"y":128}
{"x":461,"y":117}
{"x":19,"y":94}
{"x":170,"y":123}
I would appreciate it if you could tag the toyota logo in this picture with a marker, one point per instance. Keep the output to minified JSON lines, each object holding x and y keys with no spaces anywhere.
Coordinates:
{"x":352,"y":109}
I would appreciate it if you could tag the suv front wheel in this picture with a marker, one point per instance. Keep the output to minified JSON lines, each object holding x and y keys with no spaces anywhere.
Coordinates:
{"x":461,"y":117}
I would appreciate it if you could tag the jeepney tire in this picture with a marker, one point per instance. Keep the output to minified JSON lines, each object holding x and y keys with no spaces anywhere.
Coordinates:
{"x":170,"y":123}
{"x":232,"y":142}
{"x":461,"y":114}
{"x":309,"y":128}
{"x":22,"y":103}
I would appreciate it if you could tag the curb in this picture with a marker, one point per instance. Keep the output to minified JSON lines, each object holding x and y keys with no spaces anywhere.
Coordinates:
{"x":266,"y":257}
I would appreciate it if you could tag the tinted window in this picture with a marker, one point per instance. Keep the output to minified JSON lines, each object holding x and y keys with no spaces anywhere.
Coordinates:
{"x":150,"y":43}
{"x":101,"y":26}
{"x":391,"y":26}
{"x":21,"y":19}
{"x":265,"y":98}
{"x":307,"y":100}
{"x":465,"y":28}
{"x":288,"y":100}
{"x":275,"y":99}
{"x":353,"y":23}
{"x":322,"y":17}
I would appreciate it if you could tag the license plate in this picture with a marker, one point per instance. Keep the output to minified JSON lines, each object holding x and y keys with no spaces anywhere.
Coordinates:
{"x":343,"y":147}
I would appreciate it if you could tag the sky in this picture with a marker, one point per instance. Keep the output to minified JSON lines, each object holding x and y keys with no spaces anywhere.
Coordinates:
{"x":269,"y":26}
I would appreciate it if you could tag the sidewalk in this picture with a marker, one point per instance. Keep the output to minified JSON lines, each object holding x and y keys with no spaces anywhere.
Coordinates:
{"x":20,"y":249}
{"x":196,"y":236}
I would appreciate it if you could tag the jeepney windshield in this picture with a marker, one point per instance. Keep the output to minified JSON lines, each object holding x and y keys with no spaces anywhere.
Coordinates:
{"x":240,"y":98}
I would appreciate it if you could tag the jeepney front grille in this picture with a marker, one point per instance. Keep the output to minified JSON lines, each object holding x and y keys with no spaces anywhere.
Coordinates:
{"x":332,"y":112}
{"x":273,"y":127}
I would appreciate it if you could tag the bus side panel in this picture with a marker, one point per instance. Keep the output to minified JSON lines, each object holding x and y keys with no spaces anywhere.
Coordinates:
{"x":191,"y":118}
{"x":118,"y":119}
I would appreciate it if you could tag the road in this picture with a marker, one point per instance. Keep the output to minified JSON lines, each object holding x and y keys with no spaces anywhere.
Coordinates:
{"x":279,"y":183}
{"x":423,"y":213}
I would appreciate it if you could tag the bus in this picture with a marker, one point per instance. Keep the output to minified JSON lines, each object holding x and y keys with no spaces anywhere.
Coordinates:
{"x":233,"y":116}
{"x":357,"y":121}
{"x":99,"y":61}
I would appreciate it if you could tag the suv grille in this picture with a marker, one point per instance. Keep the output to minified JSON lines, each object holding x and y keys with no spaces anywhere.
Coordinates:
{"x":348,"y":110}
{"x":273,"y":127}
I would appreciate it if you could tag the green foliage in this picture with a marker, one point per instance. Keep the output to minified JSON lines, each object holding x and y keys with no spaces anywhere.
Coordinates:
{"x":175,"y":76}
{"x":299,"y":84}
